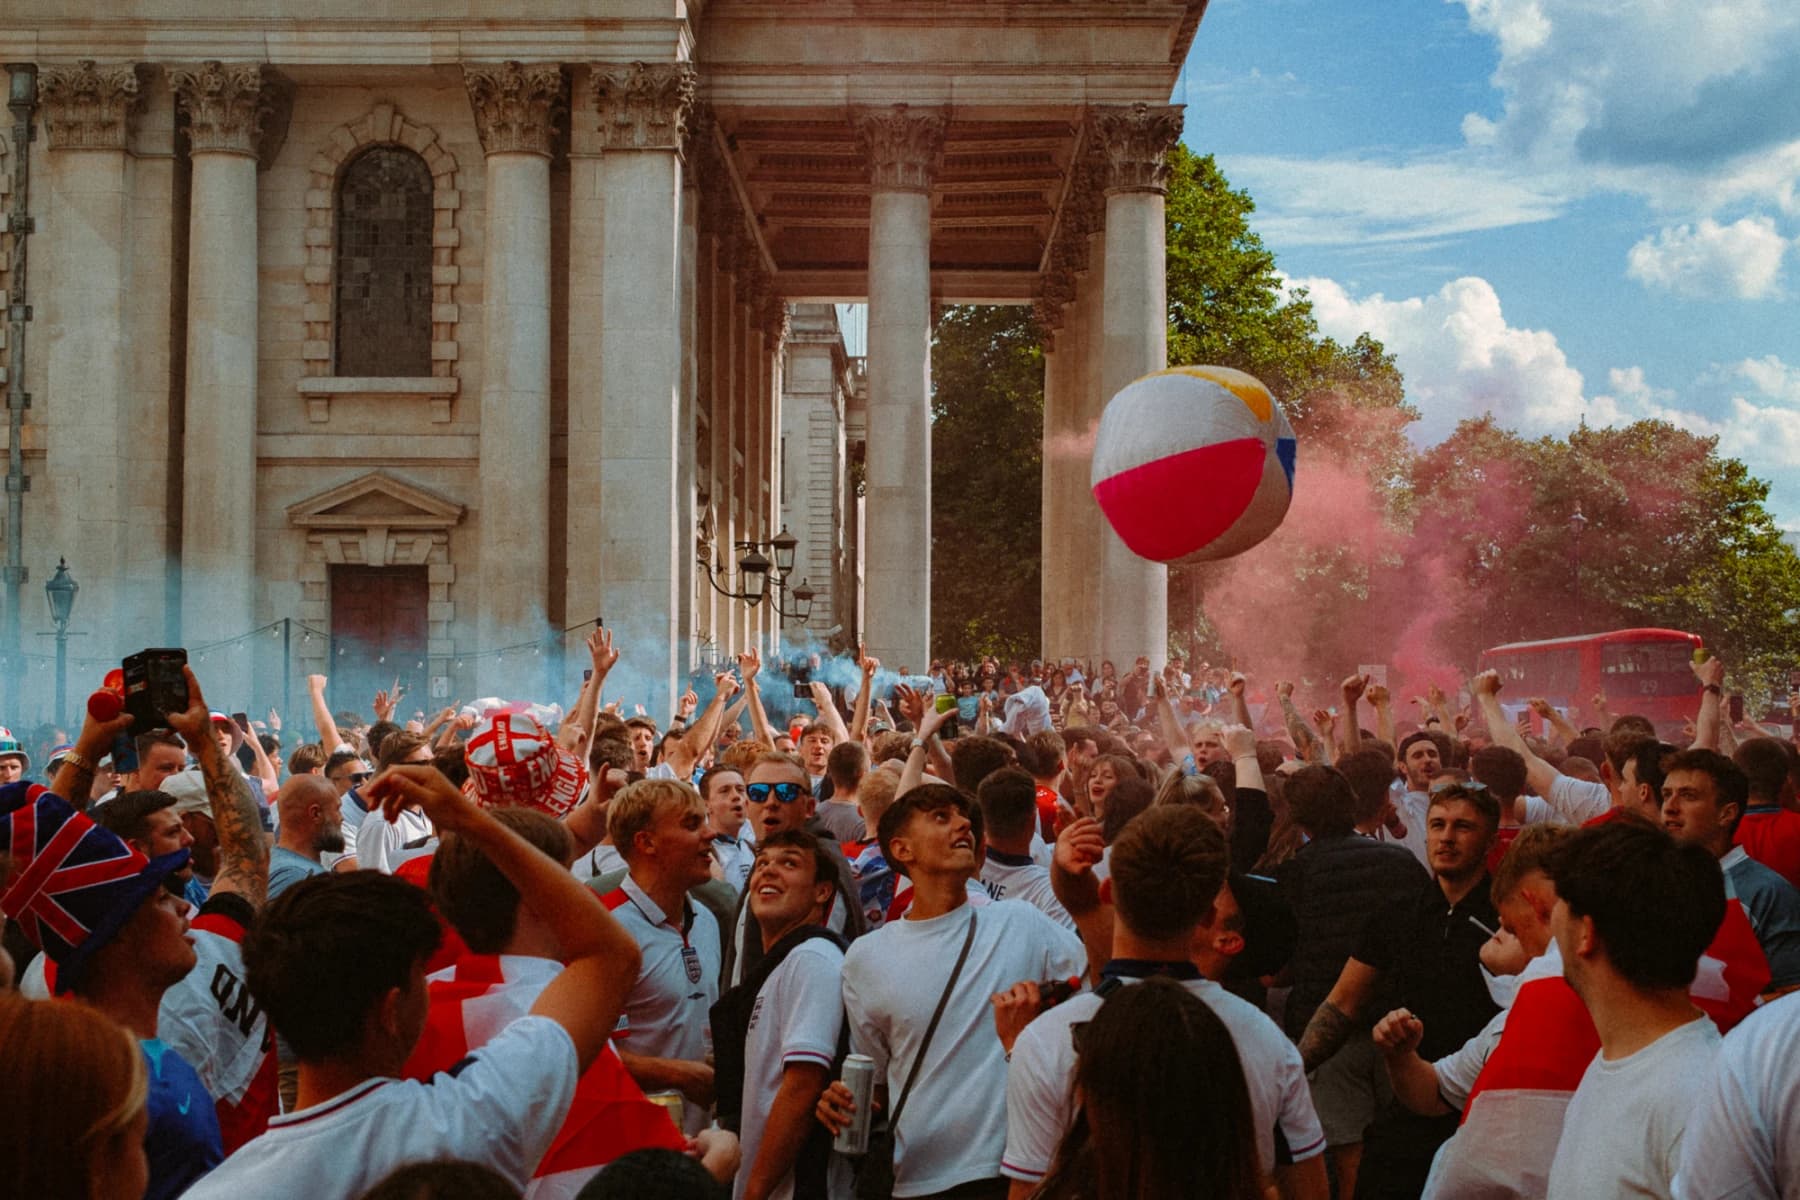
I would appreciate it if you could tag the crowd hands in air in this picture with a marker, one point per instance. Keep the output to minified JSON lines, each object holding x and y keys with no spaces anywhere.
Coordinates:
{"x":1082,"y":934}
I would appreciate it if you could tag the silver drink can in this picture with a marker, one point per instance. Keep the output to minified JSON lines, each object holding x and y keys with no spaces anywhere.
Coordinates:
{"x":859,"y":1077}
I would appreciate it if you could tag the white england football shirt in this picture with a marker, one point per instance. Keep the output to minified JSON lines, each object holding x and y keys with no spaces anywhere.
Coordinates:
{"x":797,"y":1018}
{"x":667,"y":1014}
{"x":502,"y":1110}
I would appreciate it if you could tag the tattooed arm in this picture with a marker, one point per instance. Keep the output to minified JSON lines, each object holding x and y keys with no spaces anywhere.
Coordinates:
{"x":1337,"y":1018}
{"x":243,"y":848}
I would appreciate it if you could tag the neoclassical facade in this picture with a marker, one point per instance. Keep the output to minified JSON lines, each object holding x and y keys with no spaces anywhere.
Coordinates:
{"x":445,"y":335}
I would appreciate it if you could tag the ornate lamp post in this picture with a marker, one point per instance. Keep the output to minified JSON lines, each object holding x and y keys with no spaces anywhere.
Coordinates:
{"x":60,"y":591}
{"x":1577,"y":523}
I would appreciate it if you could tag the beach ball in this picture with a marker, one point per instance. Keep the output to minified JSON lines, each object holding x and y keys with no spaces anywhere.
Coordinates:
{"x":1193,"y":464}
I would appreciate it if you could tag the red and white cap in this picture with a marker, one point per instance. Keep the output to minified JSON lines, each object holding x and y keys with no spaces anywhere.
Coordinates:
{"x":514,"y":762}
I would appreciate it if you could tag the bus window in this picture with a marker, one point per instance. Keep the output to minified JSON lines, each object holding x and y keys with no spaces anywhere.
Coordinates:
{"x":1647,"y":669}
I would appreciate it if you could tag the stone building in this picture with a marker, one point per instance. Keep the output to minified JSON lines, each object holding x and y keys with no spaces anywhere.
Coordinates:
{"x":437,"y":337}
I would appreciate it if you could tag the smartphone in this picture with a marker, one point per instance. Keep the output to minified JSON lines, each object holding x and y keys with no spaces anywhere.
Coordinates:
{"x":1735,"y":706}
{"x":242,"y":721}
{"x":802,"y":677}
{"x":946,"y":703}
{"x":155,"y":686}
{"x":1794,"y":680}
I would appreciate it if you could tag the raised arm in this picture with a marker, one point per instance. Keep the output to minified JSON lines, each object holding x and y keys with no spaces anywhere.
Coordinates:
{"x":1240,"y":705}
{"x":1383,"y":703}
{"x":925,"y":734}
{"x":265,"y":769}
{"x":1711,"y":674}
{"x":1302,"y":737}
{"x":74,"y":780}
{"x":1349,"y":730}
{"x":859,"y":716}
{"x":243,"y":850}
{"x":749,"y":664}
{"x":703,"y":734}
{"x":1180,"y":747}
{"x":602,"y":958}
{"x":1565,"y":729}
{"x":1540,"y":776}
{"x":828,"y":711}
{"x":329,"y":737}
{"x":1079,"y":848}
{"x":601,"y":660}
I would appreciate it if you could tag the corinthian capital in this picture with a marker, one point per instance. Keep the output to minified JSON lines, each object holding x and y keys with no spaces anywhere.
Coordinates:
{"x":86,"y":107}
{"x":1133,"y":141}
{"x":225,"y":104}
{"x":903,"y":146}
{"x":516,"y":105}
{"x":644,"y":106}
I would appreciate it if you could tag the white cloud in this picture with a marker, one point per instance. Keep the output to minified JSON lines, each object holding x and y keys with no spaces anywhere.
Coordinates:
{"x":1710,"y":261}
{"x":1362,"y":201}
{"x":1459,"y":356}
{"x":1692,"y":105}
{"x":1461,"y":359}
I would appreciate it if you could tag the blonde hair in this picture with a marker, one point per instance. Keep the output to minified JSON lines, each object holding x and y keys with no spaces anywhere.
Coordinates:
{"x":635,"y":808}
{"x":75,"y":1081}
{"x":1200,"y":790}
{"x":875,"y":793}
{"x":742,"y":753}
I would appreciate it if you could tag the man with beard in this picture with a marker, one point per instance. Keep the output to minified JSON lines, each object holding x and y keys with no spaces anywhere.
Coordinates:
{"x":312,"y":825}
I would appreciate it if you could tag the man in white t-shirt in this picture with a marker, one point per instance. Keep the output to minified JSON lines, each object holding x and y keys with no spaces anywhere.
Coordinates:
{"x":952,"y":1129}
{"x":777,"y":1033}
{"x":1634,"y":912}
{"x":352,"y":1026}
{"x":660,"y":827}
{"x":1745,"y":1126}
{"x":381,"y":842}
{"x":1008,"y":869}
{"x":1167,"y":870}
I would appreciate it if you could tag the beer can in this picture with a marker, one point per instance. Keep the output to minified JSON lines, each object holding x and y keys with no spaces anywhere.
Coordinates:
{"x":671,"y":1102}
{"x":859,"y":1077}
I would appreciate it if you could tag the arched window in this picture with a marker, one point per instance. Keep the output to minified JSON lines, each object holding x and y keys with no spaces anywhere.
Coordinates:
{"x":383,"y":269}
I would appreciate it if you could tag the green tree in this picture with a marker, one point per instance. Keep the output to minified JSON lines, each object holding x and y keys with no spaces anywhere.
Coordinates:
{"x":987,"y":413}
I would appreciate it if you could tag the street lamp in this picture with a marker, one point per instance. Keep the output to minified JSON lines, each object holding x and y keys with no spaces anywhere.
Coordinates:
{"x":784,"y":544}
{"x":753,"y":575}
{"x":60,"y":591}
{"x":1577,"y":524}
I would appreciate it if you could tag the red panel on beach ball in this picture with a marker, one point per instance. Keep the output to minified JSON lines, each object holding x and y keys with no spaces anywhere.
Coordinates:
{"x":1171,"y":507}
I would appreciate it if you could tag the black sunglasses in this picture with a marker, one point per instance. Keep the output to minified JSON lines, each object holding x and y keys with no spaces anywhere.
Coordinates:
{"x":357,"y":778}
{"x":787,"y":793}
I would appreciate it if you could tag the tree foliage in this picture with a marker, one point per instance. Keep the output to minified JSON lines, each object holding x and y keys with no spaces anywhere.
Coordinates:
{"x":987,"y":413}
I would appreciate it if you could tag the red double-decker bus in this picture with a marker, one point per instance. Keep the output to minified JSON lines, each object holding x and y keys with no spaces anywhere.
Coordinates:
{"x":1642,"y":671}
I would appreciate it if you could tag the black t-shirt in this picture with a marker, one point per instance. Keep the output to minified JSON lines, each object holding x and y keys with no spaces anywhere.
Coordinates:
{"x":1430,"y":951}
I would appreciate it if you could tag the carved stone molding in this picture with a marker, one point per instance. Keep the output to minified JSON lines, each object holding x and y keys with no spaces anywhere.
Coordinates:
{"x":903,"y":146}
{"x":225,"y":105}
{"x":1134,"y":142}
{"x":88,"y":107}
{"x":776,"y":322}
{"x":1048,"y":317}
{"x":516,"y":105}
{"x":381,"y":125}
{"x":644,"y":106}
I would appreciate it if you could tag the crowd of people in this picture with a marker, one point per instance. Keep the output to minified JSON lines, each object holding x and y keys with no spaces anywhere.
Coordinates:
{"x":1046,"y":931}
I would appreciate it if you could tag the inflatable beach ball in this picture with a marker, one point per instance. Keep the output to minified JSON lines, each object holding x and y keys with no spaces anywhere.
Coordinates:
{"x":1193,"y":464}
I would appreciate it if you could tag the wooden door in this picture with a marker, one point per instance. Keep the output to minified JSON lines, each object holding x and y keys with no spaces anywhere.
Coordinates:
{"x":378,"y":634}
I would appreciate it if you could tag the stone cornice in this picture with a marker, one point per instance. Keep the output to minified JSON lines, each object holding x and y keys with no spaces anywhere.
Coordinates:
{"x":225,"y":105}
{"x":903,"y":146}
{"x":644,"y":106}
{"x":88,"y":107}
{"x":1133,"y":142}
{"x":775,"y":320}
{"x":516,"y":105}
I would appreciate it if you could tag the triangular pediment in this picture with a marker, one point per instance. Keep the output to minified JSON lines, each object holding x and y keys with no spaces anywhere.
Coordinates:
{"x":375,"y":499}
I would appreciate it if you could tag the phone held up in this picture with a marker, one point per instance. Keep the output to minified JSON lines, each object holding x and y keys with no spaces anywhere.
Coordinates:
{"x":154,"y":687}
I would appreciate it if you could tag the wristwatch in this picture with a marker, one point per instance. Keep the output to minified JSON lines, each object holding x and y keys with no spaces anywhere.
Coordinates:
{"x":1714,"y":688}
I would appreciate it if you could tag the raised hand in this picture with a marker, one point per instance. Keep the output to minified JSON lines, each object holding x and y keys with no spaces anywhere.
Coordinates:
{"x":424,"y":786}
{"x":1284,"y":690}
{"x":1239,"y":681}
{"x":1080,"y":846}
{"x":1541,"y":707}
{"x":274,"y":721}
{"x":600,"y":650}
{"x":750,"y":665}
{"x":1325,"y":721}
{"x":688,"y":703}
{"x":911,"y":702}
{"x":1239,"y":741}
{"x":726,"y":684}
{"x":1486,"y":684}
{"x":1711,"y":673}
{"x":1377,"y":695}
{"x":1434,"y":695}
{"x":1354,"y":687}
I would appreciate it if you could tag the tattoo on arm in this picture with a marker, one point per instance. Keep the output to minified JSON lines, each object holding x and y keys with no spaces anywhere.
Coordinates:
{"x":243,"y":851}
{"x":74,"y":784}
{"x":1325,"y":1035}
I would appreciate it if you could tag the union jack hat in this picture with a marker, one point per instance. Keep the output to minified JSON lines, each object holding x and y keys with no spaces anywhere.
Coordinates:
{"x":72,"y":885}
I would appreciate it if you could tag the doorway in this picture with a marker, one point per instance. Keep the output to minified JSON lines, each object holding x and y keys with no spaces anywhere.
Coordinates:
{"x":378,"y":635}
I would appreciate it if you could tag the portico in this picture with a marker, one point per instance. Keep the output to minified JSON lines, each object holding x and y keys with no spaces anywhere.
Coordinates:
{"x":613,"y":211}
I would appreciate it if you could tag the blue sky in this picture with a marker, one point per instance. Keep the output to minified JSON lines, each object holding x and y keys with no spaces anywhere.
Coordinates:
{"x":1554,"y":210}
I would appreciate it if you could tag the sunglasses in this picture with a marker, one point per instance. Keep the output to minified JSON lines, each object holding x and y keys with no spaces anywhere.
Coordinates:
{"x":357,"y":778}
{"x":787,"y":793}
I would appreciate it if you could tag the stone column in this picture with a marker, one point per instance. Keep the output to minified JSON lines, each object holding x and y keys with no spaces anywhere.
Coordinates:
{"x":1090,"y":529}
{"x":225,"y":104}
{"x":1135,"y":141}
{"x":643,"y":110}
{"x":86,"y":296}
{"x":903,"y":148}
{"x":516,"y":107}
{"x":1057,"y":567}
